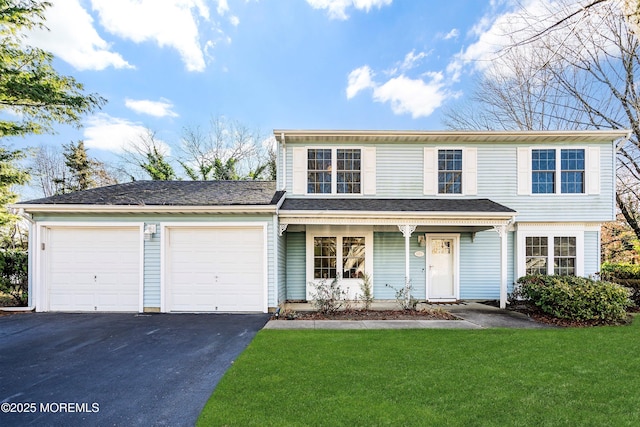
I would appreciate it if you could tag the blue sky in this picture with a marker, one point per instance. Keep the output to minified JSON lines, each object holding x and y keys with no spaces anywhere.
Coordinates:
{"x":288,"y":64}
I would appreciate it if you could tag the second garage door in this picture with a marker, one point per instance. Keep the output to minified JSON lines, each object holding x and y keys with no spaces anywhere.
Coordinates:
{"x":215,"y":269}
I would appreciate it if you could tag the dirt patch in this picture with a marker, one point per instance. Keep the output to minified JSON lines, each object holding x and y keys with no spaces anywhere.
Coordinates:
{"x":428,"y":314}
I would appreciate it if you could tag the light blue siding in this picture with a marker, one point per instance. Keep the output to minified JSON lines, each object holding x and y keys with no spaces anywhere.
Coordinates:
{"x":591,"y":253}
{"x":400,"y":169}
{"x":296,"y":266}
{"x":152,"y":269}
{"x":389,"y":265}
{"x":282,"y":268}
{"x":480,"y":266}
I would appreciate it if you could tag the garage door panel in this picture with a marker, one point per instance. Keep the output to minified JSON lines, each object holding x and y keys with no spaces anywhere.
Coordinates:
{"x":93,"y":268}
{"x":216,"y":269}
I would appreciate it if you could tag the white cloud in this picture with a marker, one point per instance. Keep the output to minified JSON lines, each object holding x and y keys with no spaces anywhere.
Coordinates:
{"x":419,"y":97}
{"x":235,"y":21}
{"x":73,"y":38}
{"x":337,"y":9}
{"x":453,"y":34}
{"x":412,"y":96}
{"x":167,"y":23}
{"x":162,"y":108}
{"x":358,"y":80}
{"x":114,"y":134}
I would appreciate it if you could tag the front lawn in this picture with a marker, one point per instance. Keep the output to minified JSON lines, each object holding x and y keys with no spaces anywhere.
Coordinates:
{"x":515,"y":377}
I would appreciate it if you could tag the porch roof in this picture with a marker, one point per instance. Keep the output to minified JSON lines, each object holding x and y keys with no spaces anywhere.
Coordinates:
{"x":396,"y":211}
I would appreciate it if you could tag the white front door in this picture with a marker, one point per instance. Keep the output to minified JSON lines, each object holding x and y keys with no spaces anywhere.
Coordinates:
{"x":442,"y":267}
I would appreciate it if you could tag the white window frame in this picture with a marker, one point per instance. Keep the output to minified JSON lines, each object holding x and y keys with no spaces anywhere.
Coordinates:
{"x":469,"y":171}
{"x":591,"y":170}
{"x":300,"y":183}
{"x":352,"y":286}
{"x":568,"y":230}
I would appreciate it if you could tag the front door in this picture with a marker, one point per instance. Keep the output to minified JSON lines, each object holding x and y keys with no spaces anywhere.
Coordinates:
{"x":441,"y":267}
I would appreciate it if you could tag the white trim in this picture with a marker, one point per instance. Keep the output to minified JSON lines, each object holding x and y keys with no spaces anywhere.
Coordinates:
{"x":339,"y":233}
{"x":456,"y":265}
{"x":164,"y":287}
{"x":334,"y":170}
{"x":588,"y":187}
{"x":57,"y":208}
{"x":550,"y":233}
{"x":41,"y":285}
{"x":391,"y":219}
{"x":469,"y":179}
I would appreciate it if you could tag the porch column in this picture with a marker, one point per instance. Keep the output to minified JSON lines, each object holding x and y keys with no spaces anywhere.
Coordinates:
{"x":407,"y":230}
{"x":502,"y":232}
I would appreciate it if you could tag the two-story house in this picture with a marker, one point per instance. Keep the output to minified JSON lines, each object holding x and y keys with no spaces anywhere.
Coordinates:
{"x":457,"y":215}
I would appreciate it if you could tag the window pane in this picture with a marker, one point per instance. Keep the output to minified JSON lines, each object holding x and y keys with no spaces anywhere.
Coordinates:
{"x":324,"y":263}
{"x":450,"y":171}
{"x":319,"y":171}
{"x":536,"y":255}
{"x":543,"y":171}
{"x":564,"y":255}
{"x":352,"y":257}
{"x":348,"y":171}
{"x":572,"y":175}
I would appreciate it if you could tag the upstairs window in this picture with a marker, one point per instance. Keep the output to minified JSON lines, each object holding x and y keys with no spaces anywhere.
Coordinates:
{"x":331,"y":170}
{"x":572,"y":166}
{"x":449,"y":171}
{"x":319,"y":171}
{"x":553,"y":169}
{"x":348,"y":171}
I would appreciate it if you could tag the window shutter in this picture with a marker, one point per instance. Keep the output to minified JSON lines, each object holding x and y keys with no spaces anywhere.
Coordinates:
{"x":430,"y":171}
{"x":524,"y":170}
{"x":369,"y":170}
{"x":592,"y":171}
{"x":299,"y":170}
{"x":470,"y":171}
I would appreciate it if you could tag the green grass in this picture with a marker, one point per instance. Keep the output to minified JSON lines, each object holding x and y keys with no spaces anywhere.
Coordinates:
{"x":494,"y":377}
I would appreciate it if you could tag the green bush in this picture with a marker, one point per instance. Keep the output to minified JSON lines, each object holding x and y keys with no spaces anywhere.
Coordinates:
{"x":624,"y":274}
{"x":576,"y":298}
{"x":14,"y":275}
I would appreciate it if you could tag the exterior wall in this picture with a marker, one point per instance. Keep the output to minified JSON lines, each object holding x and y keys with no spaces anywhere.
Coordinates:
{"x":480,"y":265}
{"x":282,"y":271}
{"x":296,"y":266}
{"x":591,"y":253}
{"x":152,"y":260}
{"x":400,"y":174}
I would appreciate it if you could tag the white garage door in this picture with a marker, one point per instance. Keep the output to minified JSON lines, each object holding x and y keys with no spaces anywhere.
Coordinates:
{"x":93,"y":269}
{"x":215,"y":269}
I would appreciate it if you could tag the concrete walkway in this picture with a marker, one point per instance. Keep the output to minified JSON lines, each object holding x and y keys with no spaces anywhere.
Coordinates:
{"x":472,"y":316}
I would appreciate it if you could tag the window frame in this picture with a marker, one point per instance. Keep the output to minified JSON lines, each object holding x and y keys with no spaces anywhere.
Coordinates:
{"x":352,"y":285}
{"x":565,"y":230}
{"x":334,"y":170}
{"x":460,"y":171}
{"x":557,"y":183}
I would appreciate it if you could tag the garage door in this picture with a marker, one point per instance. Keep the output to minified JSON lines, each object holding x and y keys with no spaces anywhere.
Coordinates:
{"x":215,"y":269}
{"x":93,"y":269}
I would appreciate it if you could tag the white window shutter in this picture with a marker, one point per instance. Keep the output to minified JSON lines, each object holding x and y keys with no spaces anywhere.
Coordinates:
{"x":470,"y":171}
{"x":299,"y":170}
{"x":524,"y":170}
{"x":592,"y":170}
{"x":369,"y":170}
{"x":430,"y":171}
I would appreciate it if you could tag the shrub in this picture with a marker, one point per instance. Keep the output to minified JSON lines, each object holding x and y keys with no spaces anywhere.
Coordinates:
{"x":14,"y":275}
{"x":576,"y":298}
{"x":404,"y":296}
{"x":624,"y":274}
{"x":367,"y":291}
{"x":328,"y":298}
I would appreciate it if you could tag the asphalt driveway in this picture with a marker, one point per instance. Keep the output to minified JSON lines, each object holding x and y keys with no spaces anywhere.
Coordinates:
{"x":115,"y":369}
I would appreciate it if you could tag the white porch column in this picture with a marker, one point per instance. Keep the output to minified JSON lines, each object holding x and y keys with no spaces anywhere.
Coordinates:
{"x":407,"y":230}
{"x":502,"y":232}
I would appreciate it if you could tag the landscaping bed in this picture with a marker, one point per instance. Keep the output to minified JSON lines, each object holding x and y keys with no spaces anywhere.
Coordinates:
{"x":426,"y":314}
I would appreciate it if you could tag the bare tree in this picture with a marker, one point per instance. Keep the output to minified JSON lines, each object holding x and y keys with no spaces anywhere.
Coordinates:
{"x":47,"y":166}
{"x":148,"y":157}
{"x":576,"y":73}
{"x":226,"y":150}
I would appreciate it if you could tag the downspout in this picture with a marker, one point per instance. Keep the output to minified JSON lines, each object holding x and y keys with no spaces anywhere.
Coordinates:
{"x":30,"y":304}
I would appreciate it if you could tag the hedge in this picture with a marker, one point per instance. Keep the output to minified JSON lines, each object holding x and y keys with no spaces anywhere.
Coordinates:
{"x":624,"y":274}
{"x":13,"y":275}
{"x":576,"y":298}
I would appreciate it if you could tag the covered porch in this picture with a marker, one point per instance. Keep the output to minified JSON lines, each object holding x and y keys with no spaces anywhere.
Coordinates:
{"x":446,"y":249}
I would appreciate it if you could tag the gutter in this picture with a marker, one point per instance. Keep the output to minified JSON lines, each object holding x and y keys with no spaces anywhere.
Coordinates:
{"x":75,"y":208}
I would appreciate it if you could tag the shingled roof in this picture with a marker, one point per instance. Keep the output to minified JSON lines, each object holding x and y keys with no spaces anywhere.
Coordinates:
{"x":395,"y":205}
{"x":172,"y":193}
